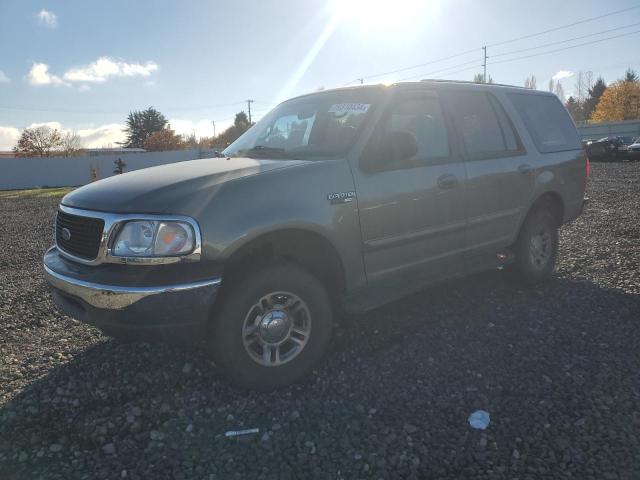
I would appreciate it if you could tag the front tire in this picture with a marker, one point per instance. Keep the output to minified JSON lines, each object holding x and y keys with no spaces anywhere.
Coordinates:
{"x":272,"y":327}
{"x":536,"y":249}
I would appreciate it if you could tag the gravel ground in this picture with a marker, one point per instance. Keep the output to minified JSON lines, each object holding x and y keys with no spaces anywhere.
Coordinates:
{"x":556,"y":367}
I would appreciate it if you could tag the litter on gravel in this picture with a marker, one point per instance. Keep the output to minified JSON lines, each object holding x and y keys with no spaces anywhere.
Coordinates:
{"x":237,"y":433}
{"x":479,"y":419}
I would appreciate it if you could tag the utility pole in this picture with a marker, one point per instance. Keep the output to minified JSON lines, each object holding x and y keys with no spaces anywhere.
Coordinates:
{"x":249,"y":102}
{"x":214,"y":128}
{"x":484,"y":65}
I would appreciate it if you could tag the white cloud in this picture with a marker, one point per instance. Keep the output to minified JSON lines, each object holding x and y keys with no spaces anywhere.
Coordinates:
{"x":562,"y":74}
{"x":39,"y":75}
{"x":105,"y":67}
{"x":8,"y":137}
{"x":202,"y":128}
{"x":104,"y":135}
{"x":47,"y":18}
{"x":4,"y":78}
{"x":84,"y":88}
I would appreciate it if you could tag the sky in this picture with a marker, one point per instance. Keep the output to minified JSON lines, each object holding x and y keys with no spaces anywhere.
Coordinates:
{"x":82,"y":65}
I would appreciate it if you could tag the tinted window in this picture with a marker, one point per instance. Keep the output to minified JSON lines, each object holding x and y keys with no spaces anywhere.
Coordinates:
{"x":423,"y":117}
{"x":484,"y":126}
{"x":510,"y":140}
{"x":547,"y":121}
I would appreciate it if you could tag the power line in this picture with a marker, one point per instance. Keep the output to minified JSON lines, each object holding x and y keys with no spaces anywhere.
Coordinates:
{"x":444,"y":70}
{"x":565,"y":41}
{"x":555,"y":29}
{"x":531,"y":35}
{"x":404,"y":69}
{"x":565,"y":48}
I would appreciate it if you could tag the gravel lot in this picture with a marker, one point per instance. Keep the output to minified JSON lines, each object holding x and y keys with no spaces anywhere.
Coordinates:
{"x":558,"y":369}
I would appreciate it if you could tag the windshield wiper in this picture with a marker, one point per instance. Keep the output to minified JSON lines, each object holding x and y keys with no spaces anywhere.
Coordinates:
{"x":262,"y":151}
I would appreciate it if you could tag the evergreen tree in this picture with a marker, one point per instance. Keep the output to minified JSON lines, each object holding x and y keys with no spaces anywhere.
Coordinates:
{"x":140,"y":126}
{"x":595,"y":92}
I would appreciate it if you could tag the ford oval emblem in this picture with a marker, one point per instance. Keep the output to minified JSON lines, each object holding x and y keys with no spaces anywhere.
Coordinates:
{"x":66,"y":234}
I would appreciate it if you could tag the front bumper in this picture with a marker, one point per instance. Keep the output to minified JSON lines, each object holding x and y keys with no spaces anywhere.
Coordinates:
{"x":115,"y":306}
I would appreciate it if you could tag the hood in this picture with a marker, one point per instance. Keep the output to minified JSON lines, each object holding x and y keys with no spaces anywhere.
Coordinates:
{"x":176,"y":188}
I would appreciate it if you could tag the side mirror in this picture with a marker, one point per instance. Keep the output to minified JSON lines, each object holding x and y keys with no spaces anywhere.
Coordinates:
{"x":395,"y":147}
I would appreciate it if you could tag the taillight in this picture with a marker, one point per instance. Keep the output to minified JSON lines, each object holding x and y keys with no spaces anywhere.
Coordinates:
{"x":587,"y":167}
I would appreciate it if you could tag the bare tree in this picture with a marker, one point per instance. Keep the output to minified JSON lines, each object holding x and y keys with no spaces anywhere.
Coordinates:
{"x":580,"y":87}
{"x":71,"y":144}
{"x":38,"y":142}
{"x":588,"y":81}
{"x":531,"y":83}
{"x":559,"y":91}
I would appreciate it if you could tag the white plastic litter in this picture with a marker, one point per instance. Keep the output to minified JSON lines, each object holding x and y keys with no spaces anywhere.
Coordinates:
{"x":479,"y":419}
{"x":236,"y":433}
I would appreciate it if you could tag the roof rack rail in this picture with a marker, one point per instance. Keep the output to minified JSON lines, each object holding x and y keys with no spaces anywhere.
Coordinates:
{"x":467,"y":82}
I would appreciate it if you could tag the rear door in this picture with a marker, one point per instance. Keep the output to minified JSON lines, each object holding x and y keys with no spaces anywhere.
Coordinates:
{"x":500,"y":178}
{"x":412,"y":213}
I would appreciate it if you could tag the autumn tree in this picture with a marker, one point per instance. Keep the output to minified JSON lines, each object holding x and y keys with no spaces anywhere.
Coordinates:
{"x":620,"y":101}
{"x":165,"y":139}
{"x":231,"y":134}
{"x":38,"y":142}
{"x":71,"y":144}
{"x":593,"y":97}
{"x":140,"y":126}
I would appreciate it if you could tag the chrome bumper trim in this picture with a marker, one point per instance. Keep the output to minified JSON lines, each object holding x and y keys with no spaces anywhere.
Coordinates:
{"x":115,"y":297}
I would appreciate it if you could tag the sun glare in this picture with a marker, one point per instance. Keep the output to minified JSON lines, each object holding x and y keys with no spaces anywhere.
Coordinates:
{"x":381,"y":16}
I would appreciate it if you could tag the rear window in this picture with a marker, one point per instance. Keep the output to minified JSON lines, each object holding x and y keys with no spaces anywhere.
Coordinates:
{"x":547,"y":121}
{"x":485,"y":128}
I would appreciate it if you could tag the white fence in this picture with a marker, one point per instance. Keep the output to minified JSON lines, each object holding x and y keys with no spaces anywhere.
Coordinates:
{"x":595,"y":131}
{"x":34,"y":172}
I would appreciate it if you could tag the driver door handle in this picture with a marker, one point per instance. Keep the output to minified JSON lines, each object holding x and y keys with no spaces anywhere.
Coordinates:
{"x":447,"y":181}
{"x":525,"y":168}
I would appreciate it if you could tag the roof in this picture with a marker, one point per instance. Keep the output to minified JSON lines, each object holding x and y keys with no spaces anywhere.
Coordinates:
{"x":380,"y":86}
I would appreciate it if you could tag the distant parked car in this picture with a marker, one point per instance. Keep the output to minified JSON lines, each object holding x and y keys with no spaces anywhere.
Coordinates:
{"x":633,"y":150}
{"x":608,"y":149}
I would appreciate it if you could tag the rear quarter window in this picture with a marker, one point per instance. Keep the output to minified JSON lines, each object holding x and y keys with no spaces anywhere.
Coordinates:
{"x":547,"y":121}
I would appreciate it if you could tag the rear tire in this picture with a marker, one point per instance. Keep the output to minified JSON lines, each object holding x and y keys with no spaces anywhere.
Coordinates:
{"x":272,"y":327}
{"x":536,"y":249}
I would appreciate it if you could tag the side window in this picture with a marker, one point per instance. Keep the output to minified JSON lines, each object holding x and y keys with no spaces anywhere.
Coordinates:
{"x":548,"y":122}
{"x":484,"y":126}
{"x":423,"y":117}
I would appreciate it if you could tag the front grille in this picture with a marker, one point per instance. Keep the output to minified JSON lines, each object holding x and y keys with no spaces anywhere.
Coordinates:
{"x":86,"y":232}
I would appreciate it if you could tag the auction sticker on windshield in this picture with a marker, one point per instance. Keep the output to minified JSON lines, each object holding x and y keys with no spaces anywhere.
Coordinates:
{"x":340,"y":109}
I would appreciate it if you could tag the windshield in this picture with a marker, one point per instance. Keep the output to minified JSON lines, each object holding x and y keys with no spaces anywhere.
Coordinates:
{"x":324,"y":125}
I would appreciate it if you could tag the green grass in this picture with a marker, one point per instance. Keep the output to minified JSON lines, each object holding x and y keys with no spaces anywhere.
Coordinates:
{"x":36,"y":192}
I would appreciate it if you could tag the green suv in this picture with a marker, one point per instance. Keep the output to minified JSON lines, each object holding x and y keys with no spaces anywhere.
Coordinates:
{"x":341,"y":200}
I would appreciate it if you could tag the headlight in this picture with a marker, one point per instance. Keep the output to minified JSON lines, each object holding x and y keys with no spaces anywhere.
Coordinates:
{"x":153,"y":239}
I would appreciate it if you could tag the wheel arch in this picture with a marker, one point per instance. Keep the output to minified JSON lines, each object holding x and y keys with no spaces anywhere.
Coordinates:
{"x":551,"y":201}
{"x":305,"y":247}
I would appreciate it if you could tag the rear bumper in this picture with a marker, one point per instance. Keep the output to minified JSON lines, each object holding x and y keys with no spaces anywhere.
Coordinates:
{"x":116,"y":307}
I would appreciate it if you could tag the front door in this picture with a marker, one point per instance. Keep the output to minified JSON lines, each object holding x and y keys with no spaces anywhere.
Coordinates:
{"x":412,"y":213}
